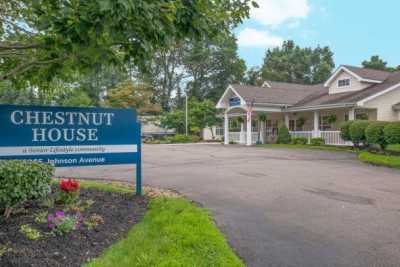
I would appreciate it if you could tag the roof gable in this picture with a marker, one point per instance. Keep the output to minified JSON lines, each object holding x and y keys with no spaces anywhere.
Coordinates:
{"x":361,"y":74}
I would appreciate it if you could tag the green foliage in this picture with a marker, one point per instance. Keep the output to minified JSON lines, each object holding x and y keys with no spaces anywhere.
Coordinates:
{"x":67,"y":198}
{"x":299,"y":141}
{"x":357,"y":132}
{"x":291,"y":63}
{"x":181,"y":138}
{"x":375,"y":135}
{"x":45,"y":38}
{"x":345,"y":130}
{"x":93,"y":221}
{"x":262,"y":117}
{"x":283,"y":135}
{"x":23,"y":180}
{"x":317,"y":141}
{"x":201,"y":114}
{"x":133,"y":95}
{"x":29,"y":232}
{"x":41,"y":217}
{"x":381,"y":160}
{"x":392,"y":133}
{"x":375,"y":62}
{"x":75,"y":98}
{"x":174,"y":232}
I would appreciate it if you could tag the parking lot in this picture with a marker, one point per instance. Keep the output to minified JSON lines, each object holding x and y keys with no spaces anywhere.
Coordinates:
{"x":281,"y":207}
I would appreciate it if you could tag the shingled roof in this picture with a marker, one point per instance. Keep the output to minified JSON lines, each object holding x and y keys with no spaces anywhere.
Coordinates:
{"x":299,"y":95}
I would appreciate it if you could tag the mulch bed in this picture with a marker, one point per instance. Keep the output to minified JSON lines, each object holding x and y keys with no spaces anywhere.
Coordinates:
{"x":119,"y":211}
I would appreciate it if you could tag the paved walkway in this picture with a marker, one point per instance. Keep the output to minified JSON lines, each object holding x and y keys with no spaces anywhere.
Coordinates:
{"x":281,"y":207}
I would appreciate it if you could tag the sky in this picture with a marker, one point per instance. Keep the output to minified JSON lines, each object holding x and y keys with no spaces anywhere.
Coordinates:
{"x":353,"y":29}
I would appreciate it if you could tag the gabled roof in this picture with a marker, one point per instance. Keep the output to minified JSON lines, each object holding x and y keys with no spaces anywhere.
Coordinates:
{"x":278,"y":93}
{"x":361,"y":74}
{"x":298,"y":96}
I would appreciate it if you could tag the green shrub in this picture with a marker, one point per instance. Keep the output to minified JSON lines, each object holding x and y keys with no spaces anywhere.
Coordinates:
{"x":283,"y":135}
{"x":345,"y":130}
{"x":299,"y":141}
{"x":392,"y":133}
{"x":21,"y":181}
{"x":317,"y":141}
{"x":181,"y":138}
{"x":357,"y":132}
{"x":195,"y":138}
{"x":374,"y":133}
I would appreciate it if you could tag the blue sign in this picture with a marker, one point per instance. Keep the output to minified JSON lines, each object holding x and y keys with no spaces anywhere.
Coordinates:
{"x":234,"y":101}
{"x":66,"y":137}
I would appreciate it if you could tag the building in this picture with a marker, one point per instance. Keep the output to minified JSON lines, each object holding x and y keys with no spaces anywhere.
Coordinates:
{"x":310,"y":110}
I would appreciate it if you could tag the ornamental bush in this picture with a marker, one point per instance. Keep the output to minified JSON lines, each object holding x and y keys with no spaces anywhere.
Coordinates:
{"x":357,"y":132}
{"x":374,"y":133}
{"x":21,"y":181}
{"x":317,"y":141}
{"x":299,"y":141}
{"x":392,"y":133}
{"x":283,"y":135}
{"x":345,"y":130}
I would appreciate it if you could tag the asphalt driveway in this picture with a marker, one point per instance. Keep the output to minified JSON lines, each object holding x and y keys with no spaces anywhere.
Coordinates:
{"x":281,"y":207}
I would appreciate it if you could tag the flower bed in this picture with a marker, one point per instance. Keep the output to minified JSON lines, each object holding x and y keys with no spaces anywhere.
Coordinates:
{"x":69,"y":228}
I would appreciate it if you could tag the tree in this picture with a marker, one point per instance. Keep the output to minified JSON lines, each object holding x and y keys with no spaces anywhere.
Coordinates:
{"x":376,"y":63}
{"x":131,"y":95}
{"x":253,"y":77}
{"x":211,"y":65}
{"x":44,"y":38}
{"x":291,"y":63}
{"x":202,"y":114}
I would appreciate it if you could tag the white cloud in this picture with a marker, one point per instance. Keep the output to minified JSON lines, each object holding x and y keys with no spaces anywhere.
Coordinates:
{"x":275,"y":12}
{"x":253,"y":37}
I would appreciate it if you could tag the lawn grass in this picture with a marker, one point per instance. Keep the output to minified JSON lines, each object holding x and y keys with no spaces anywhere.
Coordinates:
{"x":381,"y":160}
{"x":326,"y":147}
{"x":174,"y":232}
{"x":393,"y":148}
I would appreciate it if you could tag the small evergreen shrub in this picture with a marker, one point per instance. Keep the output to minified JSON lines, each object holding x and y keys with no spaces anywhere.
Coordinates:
{"x":357,"y":132}
{"x":317,"y":141}
{"x":392,"y":133}
{"x":21,"y":181}
{"x":283,"y":135}
{"x":299,"y":141}
{"x":345,"y":130}
{"x":374,"y":133}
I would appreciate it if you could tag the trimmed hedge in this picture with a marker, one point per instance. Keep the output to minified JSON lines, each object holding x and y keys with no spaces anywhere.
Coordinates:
{"x":345,"y":130}
{"x":317,"y":141}
{"x":357,"y":132}
{"x":374,"y":133}
{"x":283,"y":135}
{"x":392,"y":133}
{"x":21,"y":181}
{"x":299,"y":141}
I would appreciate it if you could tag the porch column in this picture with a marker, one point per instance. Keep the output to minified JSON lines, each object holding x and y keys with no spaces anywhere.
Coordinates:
{"x":242,"y":134}
{"x":287,"y":120}
{"x":352,"y":114}
{"x":262,"y":132}
{"x":316,"y":132}
{"x":226,"y":129}
{"x":248,"y":137}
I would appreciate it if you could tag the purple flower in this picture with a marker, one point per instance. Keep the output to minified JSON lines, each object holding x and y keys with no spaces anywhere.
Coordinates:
{"x":51,"y":226}
{"x":60,"y":213}
{"x":50,"y":217}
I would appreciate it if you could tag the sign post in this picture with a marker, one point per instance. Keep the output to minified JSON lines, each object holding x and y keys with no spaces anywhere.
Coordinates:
{"x":69,"y":137}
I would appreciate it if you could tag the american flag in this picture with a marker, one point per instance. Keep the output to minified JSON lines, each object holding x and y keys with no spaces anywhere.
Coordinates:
{"x":250,"y":109}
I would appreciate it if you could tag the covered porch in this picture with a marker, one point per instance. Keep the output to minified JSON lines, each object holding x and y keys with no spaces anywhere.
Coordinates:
{"x":260,"y":126}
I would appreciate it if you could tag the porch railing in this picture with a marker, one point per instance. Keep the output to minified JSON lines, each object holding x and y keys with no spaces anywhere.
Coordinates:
{"x":333,"y":138}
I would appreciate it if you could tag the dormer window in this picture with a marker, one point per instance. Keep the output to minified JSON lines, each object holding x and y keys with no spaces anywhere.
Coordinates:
{"x":344,"y":82}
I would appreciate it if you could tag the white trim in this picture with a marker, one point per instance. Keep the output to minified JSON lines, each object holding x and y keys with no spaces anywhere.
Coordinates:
{"x":362,"y":102}
{"x":305,"y":108}
{"x":266,"y":84}
{"x":230,"y":87}
{"x":343,"y":68}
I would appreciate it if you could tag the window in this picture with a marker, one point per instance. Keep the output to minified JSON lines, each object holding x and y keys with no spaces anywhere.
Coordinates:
{"x":292,"y":125}
{"x":344,"y":82}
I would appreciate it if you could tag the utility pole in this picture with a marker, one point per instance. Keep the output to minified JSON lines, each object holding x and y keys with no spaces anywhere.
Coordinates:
{"x":186,"y":115}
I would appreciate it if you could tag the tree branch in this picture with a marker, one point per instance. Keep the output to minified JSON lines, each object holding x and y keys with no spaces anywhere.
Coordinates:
{"x":25,"y":67}
{"x":5,"y":46}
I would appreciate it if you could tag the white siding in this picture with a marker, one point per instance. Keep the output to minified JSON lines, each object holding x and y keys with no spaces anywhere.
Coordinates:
{"x":384,"y":104}
{"x":355,"y":85}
